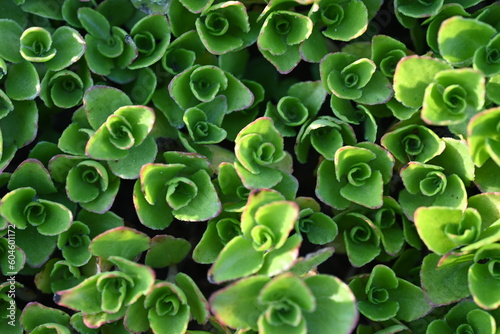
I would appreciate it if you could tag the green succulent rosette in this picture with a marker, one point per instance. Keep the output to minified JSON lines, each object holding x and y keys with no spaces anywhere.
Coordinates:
{"x":326,"y":135}
{"x":259,"y":152}
{"x":484,"y":277}
{"x":200,"y":84}
{"x":319,"y":228}
{"x":225,"y":27}
{"x":151,"y":36}
{"x":265,"y":243}
{"x":386,"y":52}
{"x":64,"y":89}
{"x":36,"y":45}
{"x":484,"y":137}
{"x":453,"y":98}
{"x":287,"y":303}
{"x":466,"y":315}
{"x":350,"y":78}
{"x":108,"y":294}
{"x":430,"y":185}
{"x":413,"y":143}
{"x":356,"y":175}
{"x":120,"y":132}
{"x":89,"y":183}
{"x":302,"y":102}
{"x":168,"y":307}
{"x":182,"y":188}
{"x":360,"y":238}
{"x":342,"y":20}
{"x":280,"y":37}
{"x":185,"y":51}
{"x":382,"y":295}
{"x":109,"y":51}
{"x":58,"y":50}
{"x":486,"y":58}
{"x":74,"y":244}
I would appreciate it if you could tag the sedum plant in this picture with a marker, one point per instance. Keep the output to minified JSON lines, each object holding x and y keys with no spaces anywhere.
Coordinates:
{"x":263,"y":166}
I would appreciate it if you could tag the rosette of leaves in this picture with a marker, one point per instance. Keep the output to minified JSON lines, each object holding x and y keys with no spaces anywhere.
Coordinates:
{"x":168,"y":307}
{"x":413,"y":143}
{"x":35,"y":217}
{"x":225,"y":27}
{"x":260,"y":156}
{"x":287,"y":303}
{"x":120,"y":131}
{"x":105,"y":297}
{"x":430,"y":185}
{"x":265,"y":245}
{"x":57,"y":275}
{"x":302,"y":102}
{"x":317,"y":226}
{"x":459,"y":38}
{"x":484,"y":276}
{"x":37,"y":318}
{"x":453,"y":98}
{"x":445,"y":229}
{"x":326,"y":135}
{"x":65,"y":88}
{"x":483,"y":138}
{"x":386,"y":52}
{"x":280,"y":37}
{"x":88,"y":182}
{"x":465,"y":316}
{"x":234,"y":194}
{"x":182,"y":188}
{"x":185,"y":51}
{"x":220,"y":230}
{"x":356,"y":175}
{"x":151,"y":35}
{"x":340,"y":20}
{"x":382,"y":295}
{"x":57,"y":50}
{"x":200,"y":84}
{"x":487,"y":58}
{"x":109,"y":51}
{"x":203,"y":124}
{"x":74,"y":244}
{"x":390,"y":223}
{"x":360,"y":238}
{"x":350,"y":78}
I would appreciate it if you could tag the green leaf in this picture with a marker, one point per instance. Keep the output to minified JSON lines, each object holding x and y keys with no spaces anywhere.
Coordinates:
{"x":412,"y":302}
{"x":31,"y":173}
{"x":23,"y":82}
{"x":236,"y":260}
{"x":459,"y":38}
{"x":236,"y":305}
{"x":70,"y":47}
{"x":444,"y":285}
{"x":94,"y":23}
{"x":102,"y":101}
{"x":166,"y":250}
{"x":36,"y":315}
{"x":120,"y":241}
{"x":10,"y":40}
{"x":335,"y":311}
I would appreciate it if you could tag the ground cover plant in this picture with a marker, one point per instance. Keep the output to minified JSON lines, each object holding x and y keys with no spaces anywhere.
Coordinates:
{"x":252,"y":166}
